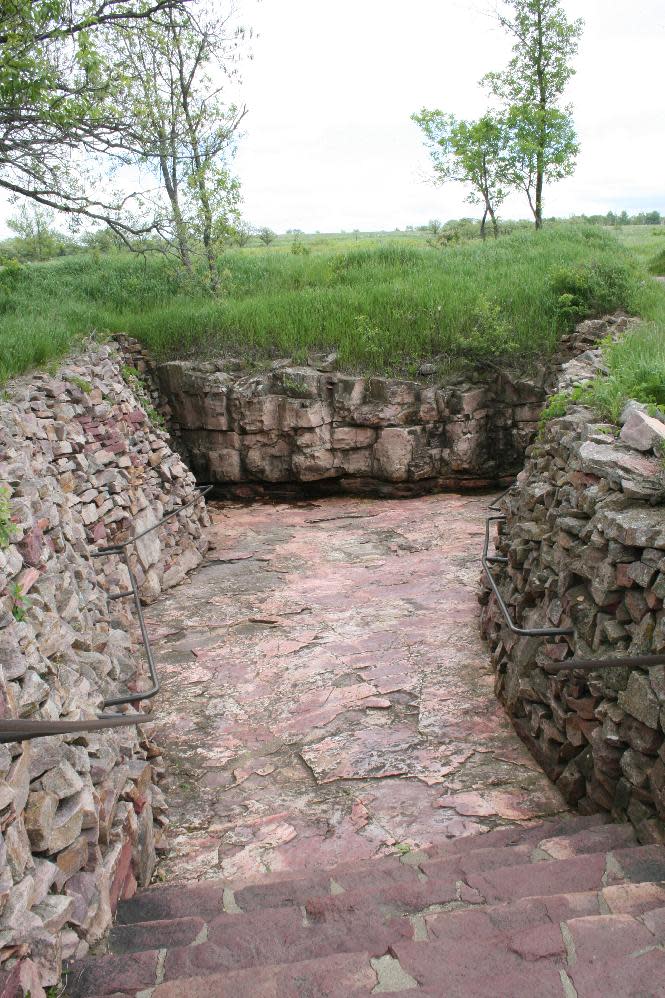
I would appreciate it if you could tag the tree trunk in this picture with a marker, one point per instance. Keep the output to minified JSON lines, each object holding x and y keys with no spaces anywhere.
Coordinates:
{"x":182,"y":241}
{"x":542,"y":134}
{"x":539,"y":193}
{"x":495,"y":224}
{"x":483,"y":234}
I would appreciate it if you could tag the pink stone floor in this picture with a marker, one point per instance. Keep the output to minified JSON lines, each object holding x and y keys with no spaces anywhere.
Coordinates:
{"x":326,"y":694}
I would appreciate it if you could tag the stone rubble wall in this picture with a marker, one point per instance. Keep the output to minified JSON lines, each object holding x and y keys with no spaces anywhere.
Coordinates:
{"x":314,"y":426}
{"x":81,"y":464}
{"x":585,"y":542}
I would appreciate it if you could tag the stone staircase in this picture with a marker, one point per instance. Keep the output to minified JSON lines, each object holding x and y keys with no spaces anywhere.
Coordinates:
{"x":572,"y":907}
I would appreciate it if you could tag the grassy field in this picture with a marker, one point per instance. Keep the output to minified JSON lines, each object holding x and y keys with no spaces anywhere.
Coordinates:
{"x":386,"y":304}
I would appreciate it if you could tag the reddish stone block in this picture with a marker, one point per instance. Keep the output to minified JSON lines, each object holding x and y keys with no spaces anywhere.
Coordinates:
{"x":105,"y":974}
{"x":120,"y":875}
{"x":168,"y":933}
{"x":583,"y":873}
{"x":640,"y":975}
{"x":633,"y":899}
{"x":338,"y":976}
{"x":538,"y":943}
{"x":593,"y":840}
{"x":638,"y":865}
{"x":154,"y":904}
{"x":477,"y":862}
{"x":602,"y":938}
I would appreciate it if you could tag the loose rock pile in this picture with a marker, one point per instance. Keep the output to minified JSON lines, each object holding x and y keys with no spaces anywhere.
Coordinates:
{"x":80,"y":463}
{"x":585,"y":540}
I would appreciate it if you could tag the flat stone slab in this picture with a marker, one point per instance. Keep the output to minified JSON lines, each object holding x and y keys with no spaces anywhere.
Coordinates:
{"x":326,"y":694}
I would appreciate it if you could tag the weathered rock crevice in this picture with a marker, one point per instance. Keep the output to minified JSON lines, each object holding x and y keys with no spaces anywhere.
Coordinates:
{"x":332,"y":432}
{"x":81,"y":464}
{"x":584,"y":538}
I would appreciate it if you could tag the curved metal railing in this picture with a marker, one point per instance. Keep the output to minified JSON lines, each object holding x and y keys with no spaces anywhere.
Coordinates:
{"x":571,"y":664}
{"x":24,"y":730}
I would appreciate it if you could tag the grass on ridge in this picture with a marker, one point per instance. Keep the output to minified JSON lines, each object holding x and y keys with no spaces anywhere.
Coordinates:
{"x":385,"y":308}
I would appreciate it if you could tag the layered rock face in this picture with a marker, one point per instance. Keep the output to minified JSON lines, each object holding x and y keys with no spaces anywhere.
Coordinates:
{"x":584,"y":536}
{"x":334,"y":432}
{"x":80,"y":464}
{"x":339,"y":432}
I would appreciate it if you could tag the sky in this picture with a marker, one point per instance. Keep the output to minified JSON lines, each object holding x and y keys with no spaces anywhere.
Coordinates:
{"x":328,"y":144}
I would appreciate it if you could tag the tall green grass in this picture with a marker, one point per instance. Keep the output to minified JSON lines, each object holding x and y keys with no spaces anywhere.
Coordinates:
{"x":384,"y":308}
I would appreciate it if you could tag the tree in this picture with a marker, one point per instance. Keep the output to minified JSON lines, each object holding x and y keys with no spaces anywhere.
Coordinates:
{"x":178,"y":125}
{"x":266,"y":235}
{"x":38,"y":239}
{"x":544,"y":145}
{"x":468,"y":152}
{"x":57,"y":100}
{"x":241,"y":233}
{"x":540,"y":146}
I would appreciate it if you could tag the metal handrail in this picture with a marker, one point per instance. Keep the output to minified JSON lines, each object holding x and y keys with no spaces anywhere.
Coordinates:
{"x":122,"y":549}
{"x":596,"y":664}
{"x":572,"y":664}
{"x":24,"y":730}
{"x":495,"y":504}
{"x":526,"y":632}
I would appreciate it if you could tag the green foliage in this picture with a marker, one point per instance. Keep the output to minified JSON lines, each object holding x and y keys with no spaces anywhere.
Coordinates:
{"x":559,"y":403}
{"x":635,"y":370}
{"x":81,"y":383}
{"x":293,"y":387}
{"x":298,"y":247}
{"x":593,"y":288}
{"x":58,"y":89}
{"x":491,"y":334}
{"x":468,"y":152}
{"x":657,"y":264}
{"x":20,"y":603}
{"x":266,"y":235}
{"x":543,"y":145}
{"x":7,"y":528}
{"x":415,"y":303}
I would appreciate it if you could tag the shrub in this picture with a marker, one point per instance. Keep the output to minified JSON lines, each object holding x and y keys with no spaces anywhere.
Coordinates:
{"x":587,"y":289}
{"x":657,"y":265}
{"x":635,"y":370}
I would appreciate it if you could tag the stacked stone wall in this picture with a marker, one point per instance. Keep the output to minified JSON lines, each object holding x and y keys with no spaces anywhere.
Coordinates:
{"x":81,"y":465}
{"x":584,"y":536}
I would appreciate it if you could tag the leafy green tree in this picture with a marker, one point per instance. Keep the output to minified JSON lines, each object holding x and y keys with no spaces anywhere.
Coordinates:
{"x":178,"y":125}
{"x":543,"y":142}
{"x":37,"y":239}
{"x":468,"y":152}
{"x":541,"y":147}
{"x":266,"y":235}
{"x":58,"y":85}
{"x":241,"y":233}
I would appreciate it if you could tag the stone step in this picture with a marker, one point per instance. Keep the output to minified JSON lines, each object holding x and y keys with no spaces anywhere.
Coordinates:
{"x":533,"y":946}
{"x":527,"y":926}
{"x":587,"y":872}
{"x":504,"y":847}
{"x":486,"y":918}
{"x":568,"y":824}
{"x":340,"y":976}
{"x":469,"y":949}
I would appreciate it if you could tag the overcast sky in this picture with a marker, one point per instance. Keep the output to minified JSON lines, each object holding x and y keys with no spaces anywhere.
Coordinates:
{"x":328,"y":143}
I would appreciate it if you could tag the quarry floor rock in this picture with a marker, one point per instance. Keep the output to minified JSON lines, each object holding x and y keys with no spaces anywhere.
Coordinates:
{"x":326,"y":694}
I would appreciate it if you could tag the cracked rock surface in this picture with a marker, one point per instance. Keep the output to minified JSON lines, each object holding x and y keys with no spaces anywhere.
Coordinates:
{"x":326,"y":694}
